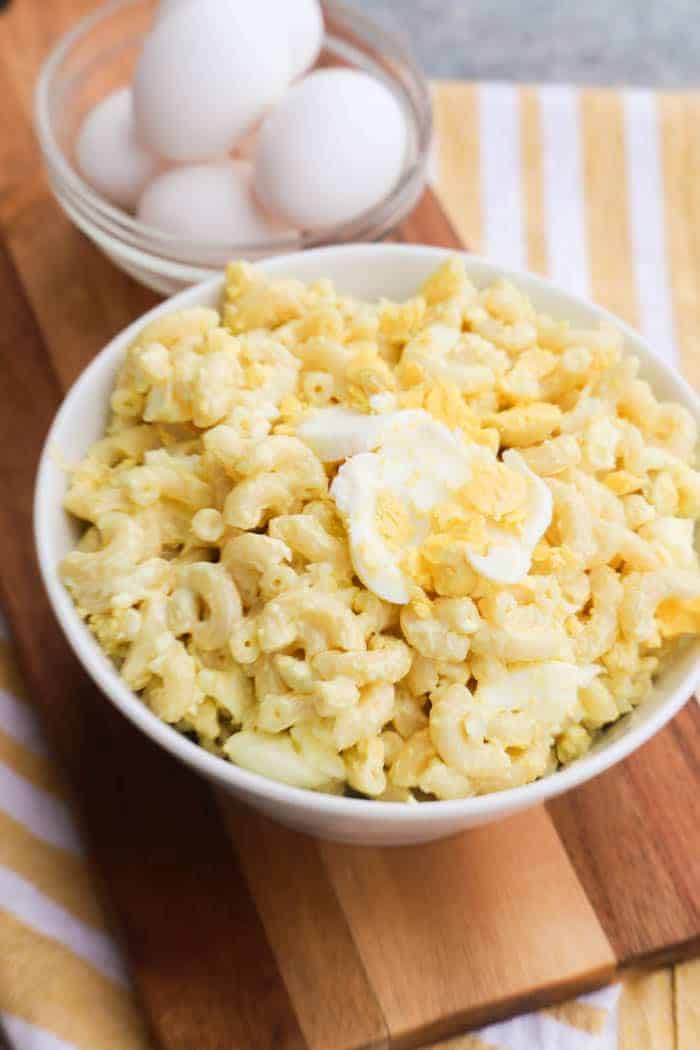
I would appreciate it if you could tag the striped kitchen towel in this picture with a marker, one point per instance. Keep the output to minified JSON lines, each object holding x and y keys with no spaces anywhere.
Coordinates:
{"x":595,"y":188}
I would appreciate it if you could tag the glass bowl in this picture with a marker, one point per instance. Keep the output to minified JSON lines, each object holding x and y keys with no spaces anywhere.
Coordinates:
{"x":98,"y":56}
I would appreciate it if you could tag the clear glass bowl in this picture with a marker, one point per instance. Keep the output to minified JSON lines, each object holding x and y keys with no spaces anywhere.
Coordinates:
{"x":99,"y":54}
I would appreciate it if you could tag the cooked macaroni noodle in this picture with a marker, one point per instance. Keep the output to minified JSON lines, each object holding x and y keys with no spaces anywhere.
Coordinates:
{"x":410,"y":550}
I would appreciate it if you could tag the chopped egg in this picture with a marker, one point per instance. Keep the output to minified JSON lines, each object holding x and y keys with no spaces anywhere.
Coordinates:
{"x":207,"y":202}
{"x":547,"y":691}
{"x":336,"y":433}
{"x":331,"y":149}
{"x":207,"y":73}
{"x":384,"y":402}
{"x":395,"y":500}
{"x":109,"y":155}
{"x":441,"y":352}
{"x":675,"y":617}
{"x":509,"y":556}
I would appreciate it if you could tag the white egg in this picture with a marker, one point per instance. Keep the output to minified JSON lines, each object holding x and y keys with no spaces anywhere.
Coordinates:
{"x":301,"y":21}
{"x":331,"y":149}
{"x":246,"y":145}
{"x":165,"y":7}
{"x":109,"y":155}
{"x":207,"y":202}
{"x":207,"y":73}
{"x":304,"y":19}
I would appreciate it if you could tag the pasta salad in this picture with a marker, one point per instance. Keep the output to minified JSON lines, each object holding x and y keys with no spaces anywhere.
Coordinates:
{"x":413,"y":551}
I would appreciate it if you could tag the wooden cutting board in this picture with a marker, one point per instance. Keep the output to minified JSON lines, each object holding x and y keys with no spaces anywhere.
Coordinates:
{"x":244,"y":935}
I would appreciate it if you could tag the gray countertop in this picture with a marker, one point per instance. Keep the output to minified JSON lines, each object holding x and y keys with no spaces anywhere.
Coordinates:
{"x":645,"y":42}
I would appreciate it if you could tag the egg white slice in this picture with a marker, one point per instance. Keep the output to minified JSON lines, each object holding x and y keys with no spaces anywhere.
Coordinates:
{"x":336,"y":433}
{"x":548,"y":691}
{"x":419,"y":462}
{"x":412,"y":462}
{"x":509,"y":557}
{"x":440,"y":351}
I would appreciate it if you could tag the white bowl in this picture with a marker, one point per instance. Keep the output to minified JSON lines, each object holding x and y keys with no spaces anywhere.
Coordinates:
{"x":367,"y":271}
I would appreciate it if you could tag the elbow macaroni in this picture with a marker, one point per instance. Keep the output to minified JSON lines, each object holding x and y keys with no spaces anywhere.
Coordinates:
{"x":217,"y":573}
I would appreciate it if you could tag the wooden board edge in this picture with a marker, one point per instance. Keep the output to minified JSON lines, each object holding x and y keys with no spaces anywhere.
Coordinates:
{"x":463,"y":1022}
{"x":680,"y":952}
{"x":656,"y":787}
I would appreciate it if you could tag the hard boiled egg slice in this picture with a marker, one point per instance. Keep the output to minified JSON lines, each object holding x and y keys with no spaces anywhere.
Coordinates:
{"x":509,"y":557}
{"x":441,"y":352}
{"x":385,"y":497}
{"x":337,"y":433}
{"x":399,"y":467}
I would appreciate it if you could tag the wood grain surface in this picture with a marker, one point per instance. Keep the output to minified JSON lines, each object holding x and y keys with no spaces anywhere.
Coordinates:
{"x":338,"y":918}
{"x":468,"y":917}
{"x":311,"y":935}
{"x":632,"y":834}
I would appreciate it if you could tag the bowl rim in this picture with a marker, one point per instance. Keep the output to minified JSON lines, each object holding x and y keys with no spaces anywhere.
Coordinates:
{"x":129,"y":233}
{"x":246,"y":782}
